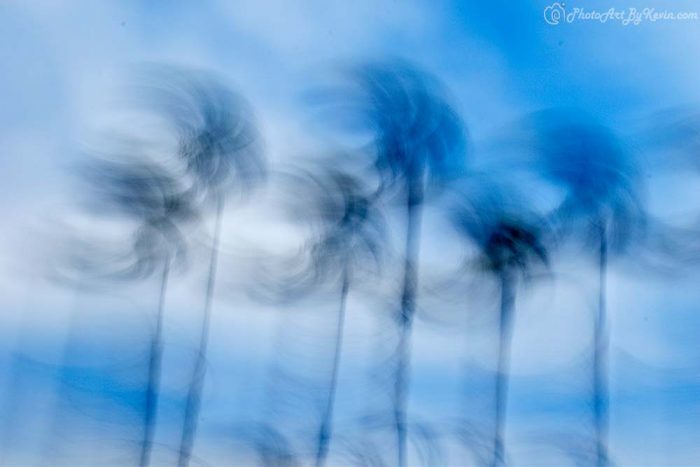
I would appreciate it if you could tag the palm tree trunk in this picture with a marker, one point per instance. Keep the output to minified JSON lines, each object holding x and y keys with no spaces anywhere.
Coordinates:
{"x":154,"y":365}
{"x":600,"y":365}
{"x":324,"y":436}
{"x":505,"y":330}
{"x":194,"y":394}
{"x":408,"y":308}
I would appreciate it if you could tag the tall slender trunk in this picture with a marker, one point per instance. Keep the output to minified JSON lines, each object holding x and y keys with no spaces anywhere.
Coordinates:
{"x":194,"y":394}
{"x":325,"y":432}
{"x":600,"y":357}
{"x":154,"y":365}
{"x":505,"y":331}
{"x":408,"y":308}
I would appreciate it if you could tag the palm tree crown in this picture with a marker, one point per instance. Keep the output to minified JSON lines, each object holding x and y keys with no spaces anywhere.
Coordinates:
{"x":600,"y":179}
{"x":351,"y":225}
{"x":416,"y":131}
{"x":157,"y":201}
{"x":219,"y":142}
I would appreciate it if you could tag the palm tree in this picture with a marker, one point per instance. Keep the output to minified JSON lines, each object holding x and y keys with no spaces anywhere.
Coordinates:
{"x":345,"y":248}
{"x":510,"y":243}
{"x":219,"y":145}
{"x":148,"y":195}
{"x":419,"y":141}
{"x":601,"y":185}
{"x":350,"y":236}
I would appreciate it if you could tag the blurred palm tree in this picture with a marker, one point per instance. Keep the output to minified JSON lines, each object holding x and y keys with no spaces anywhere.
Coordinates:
{"x":349,"y":242}
{"x":346,"y":246}
{"x":150,"y":197}
{"x":419,"y":138}
{"x":601,"y":200}
{"x":418,"y":141}
{"x":510,"y":243}
{"x":220,"y":146}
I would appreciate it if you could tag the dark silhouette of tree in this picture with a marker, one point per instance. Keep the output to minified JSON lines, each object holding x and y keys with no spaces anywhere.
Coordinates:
{"x":349,"y":239}
{"x":151,"y":198}
{"x":510,"y":243}
{"x":220,"y":146}
{"x":345,"y":246}
{"x":418,"y":142}
{"x":602,"y":186}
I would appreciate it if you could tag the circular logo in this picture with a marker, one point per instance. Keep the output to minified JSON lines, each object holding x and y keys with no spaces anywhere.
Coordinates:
{"x":554,"y":13}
